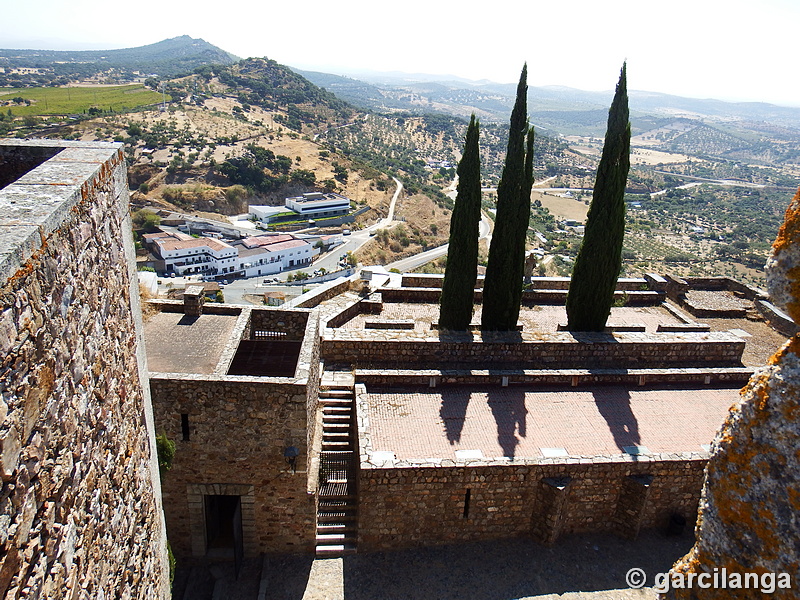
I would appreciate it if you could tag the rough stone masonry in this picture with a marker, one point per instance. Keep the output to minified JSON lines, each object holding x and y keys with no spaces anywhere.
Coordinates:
{"x":749,"y":519}
{"x":80,"y":507}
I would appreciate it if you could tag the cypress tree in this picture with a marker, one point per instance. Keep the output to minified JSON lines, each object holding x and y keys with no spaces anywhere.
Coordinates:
{"x":502,"y":290}
{"x":599,"y":260}
{"x":458,"y":289}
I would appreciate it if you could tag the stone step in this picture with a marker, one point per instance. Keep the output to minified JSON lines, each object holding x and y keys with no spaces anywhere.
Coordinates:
{"x":336,"y":402}
{"x":335,"y":436}
{"x":335,"y":538}
{"x":336,"y":528}
{"x":339,"y":517}
{"x":347,"y":393}
{"x":333,"y":550}
{"x":336,"y":497}
{"x":337,"y":411}
{"x":337,"y":443}
{"x":335,"y":425}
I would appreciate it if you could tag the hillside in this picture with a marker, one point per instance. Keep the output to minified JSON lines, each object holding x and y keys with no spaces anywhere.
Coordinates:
{"x":165,"y":59}
{"x":705,"y":192}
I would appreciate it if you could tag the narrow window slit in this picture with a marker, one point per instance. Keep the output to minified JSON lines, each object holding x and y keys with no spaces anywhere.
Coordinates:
{"x":185,"y":426}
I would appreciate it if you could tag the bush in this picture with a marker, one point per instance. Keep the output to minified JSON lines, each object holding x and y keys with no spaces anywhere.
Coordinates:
{"x":165,"y":449}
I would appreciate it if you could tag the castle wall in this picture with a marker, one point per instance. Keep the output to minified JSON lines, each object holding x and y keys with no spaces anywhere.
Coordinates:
{"x":425,"y":505}
{"x":80,"y":506}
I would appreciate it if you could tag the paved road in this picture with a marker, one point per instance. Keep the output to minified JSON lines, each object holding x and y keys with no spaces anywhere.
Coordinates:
{"x":412,"y":262}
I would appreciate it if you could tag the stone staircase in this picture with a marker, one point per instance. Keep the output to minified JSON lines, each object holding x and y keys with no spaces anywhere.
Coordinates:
{"x":337,"y":512}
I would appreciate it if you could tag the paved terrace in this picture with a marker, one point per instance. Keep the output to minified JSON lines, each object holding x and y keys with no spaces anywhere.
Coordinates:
{"x":177,"y":343}
{"x":459,"y":423}
{"x":761,"y":340}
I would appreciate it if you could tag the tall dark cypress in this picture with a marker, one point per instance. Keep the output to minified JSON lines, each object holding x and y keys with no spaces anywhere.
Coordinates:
{"x":597,"y":266}
{"x":458,"y":289}
{"x":502,"y":290}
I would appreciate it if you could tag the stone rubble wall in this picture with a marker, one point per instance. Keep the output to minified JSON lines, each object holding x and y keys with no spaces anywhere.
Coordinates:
{"x":425,"y":505}
{"x":80,"y":505}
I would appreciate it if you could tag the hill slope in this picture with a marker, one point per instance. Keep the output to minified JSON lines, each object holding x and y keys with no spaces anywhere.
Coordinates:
{"x":166,"y":59}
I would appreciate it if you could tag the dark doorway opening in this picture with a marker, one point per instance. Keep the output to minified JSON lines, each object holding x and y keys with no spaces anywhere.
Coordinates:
{"x":223,"y":525}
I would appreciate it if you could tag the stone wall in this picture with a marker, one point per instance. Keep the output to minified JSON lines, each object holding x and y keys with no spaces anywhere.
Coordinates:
{"x":238,"y":429}
{"x":426,"y":280}
{"x":321,"y":293}
{"x":561,"y":377}
{"x":553,"y":351}
{"x":532,"y":297}
{"x":80,"y":505}
{"x":290,"y":323}
{"x":427,"y":505}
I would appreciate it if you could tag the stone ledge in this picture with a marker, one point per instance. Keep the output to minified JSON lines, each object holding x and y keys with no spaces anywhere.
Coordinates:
{"x":426,"y":463}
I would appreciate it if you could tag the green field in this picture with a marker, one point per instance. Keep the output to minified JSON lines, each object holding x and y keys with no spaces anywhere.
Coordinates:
{"x":76,"y":100}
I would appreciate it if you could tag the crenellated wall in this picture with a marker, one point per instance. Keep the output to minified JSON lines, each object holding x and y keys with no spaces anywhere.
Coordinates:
{"x":80,"y":504}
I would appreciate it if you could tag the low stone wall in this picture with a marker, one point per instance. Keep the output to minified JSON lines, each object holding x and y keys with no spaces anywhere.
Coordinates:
{"x":80,"y":503}
{"x":425,"y":280}
{"x":209,"y":308}
{"x":554,"y":351}
{"x":777,"y":318}
{"x":320,"y":294}
{"x":365,"y":306}
{"x":428,"y":505}
{"x":531,"y":297}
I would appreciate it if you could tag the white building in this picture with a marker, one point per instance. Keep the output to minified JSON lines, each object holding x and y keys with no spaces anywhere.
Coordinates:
{"x":265,"y":213}
{"x":268,"y":254}
{"x":314,"y":205}
{"x":206,"y":256}
{"x":250,"y":257}
{"x":317,"y":204}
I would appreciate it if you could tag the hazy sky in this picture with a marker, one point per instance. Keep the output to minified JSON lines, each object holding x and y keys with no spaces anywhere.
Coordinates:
{"x":726,"y":49}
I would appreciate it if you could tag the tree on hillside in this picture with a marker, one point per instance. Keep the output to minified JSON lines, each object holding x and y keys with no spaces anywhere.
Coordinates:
{"x":458,"y":289}
{"x":597,"y":266}
{"x":502,"y":290}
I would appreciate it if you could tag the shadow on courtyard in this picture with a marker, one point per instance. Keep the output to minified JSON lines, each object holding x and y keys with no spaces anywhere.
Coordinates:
{"x":614,"y":404}
{"x":453,"y":413}
{"x":510,"y":414}
{"x":506,"y":569}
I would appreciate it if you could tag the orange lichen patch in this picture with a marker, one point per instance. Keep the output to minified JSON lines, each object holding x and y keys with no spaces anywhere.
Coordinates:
{"x":789,"y":233}
{"x":792,"y":346}
{"x":794,"y":498}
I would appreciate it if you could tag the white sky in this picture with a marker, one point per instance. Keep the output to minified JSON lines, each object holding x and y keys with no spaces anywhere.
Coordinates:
{"x":725,"y":49}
